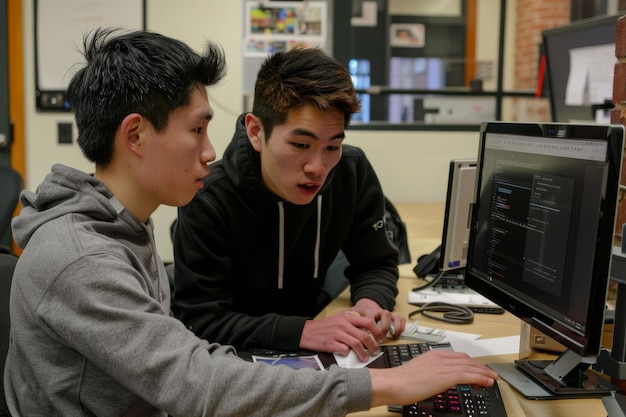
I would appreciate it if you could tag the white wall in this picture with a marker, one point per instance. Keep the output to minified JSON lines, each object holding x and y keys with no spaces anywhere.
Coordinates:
{"x":412,"y":166}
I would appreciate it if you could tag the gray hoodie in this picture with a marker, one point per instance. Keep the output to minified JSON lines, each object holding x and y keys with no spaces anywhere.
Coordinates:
{"x":92,"y":333}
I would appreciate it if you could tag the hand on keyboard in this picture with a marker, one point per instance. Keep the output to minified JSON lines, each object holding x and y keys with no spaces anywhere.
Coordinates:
{"x":458,"y":400}
{"x":427,"y":375}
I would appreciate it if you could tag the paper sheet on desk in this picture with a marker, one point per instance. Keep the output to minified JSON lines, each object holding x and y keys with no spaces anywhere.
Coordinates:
{"x":470,"y":344}
{"x":352,"y":361}
{"x":487,"y":347}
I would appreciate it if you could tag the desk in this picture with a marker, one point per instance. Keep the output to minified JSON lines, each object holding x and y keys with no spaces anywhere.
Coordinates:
{"x":424,"y":227}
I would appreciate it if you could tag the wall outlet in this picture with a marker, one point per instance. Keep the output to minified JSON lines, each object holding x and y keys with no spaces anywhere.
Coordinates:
{"x":64,"y":132}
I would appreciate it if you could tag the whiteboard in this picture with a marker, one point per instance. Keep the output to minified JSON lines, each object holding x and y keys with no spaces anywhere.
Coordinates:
{"x":60,"y":27}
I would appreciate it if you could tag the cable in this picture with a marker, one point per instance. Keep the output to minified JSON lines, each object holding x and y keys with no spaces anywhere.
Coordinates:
{"x":451,"y":313}
{"x":430,"y":283}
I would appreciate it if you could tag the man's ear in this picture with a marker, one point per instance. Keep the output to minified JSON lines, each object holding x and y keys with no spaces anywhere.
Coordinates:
{"x":131,"y":129}
{"x":255,"y":131}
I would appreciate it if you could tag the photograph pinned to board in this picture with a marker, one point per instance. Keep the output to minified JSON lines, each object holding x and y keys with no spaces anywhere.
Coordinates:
{"x":407,"y":35}
{"x":281,"y":26}
{"x":293,"y":361}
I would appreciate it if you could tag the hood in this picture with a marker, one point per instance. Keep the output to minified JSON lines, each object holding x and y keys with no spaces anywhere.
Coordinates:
{"x":64,"y":190}
{"x":242,"y":164}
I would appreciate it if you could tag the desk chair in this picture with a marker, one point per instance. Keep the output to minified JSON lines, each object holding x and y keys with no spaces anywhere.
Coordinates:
{"x":11,"y":184}
{"x":7,"y":266}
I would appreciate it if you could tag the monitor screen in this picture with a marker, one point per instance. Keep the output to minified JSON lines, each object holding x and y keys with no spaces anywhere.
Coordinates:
{"x":542,"y":235}
{"x":456,"y":222}
{"x":580,"y":61}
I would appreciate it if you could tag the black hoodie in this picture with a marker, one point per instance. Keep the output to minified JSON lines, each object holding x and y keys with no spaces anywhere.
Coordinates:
{"x":250,"y":268}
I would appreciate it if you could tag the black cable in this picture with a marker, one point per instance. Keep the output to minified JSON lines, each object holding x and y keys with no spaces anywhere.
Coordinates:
{"x":432,"y":282}
{"x":451,"y":313}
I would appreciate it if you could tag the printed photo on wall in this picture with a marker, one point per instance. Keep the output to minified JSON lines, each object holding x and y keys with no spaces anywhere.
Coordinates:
{"x":407,"y":35}
{"x":277,"y":26}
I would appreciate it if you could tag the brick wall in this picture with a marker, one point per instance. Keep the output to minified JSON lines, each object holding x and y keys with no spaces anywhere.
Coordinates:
{"x":618,"y":115}
{"x":533,"y":17}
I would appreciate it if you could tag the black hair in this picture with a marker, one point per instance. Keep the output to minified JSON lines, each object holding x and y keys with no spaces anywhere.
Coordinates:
{"x":299,"y":77}
{"x":135,"y":72}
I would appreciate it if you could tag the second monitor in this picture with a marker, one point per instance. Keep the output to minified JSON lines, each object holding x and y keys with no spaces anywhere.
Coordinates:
{"x":457,"y":216}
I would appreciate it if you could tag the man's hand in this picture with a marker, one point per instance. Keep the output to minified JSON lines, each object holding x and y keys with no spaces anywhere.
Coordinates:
{"x":426,"y":375}
{"x":359,"y":328}
{"x":386,"y":320}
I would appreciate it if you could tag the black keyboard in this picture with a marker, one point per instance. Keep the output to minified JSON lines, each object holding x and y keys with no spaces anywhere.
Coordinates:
{"x":460,"y":400}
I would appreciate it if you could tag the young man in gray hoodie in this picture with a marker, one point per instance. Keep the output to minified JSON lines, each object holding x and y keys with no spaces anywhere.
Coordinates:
{"x":92,"y":333}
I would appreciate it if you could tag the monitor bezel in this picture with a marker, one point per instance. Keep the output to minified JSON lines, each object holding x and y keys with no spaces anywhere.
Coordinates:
{"x":588,"y":343}
{"x":456,"y":180}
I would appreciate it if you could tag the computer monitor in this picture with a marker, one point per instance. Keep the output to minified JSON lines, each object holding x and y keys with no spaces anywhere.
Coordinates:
{"x":541,"y":242}
{"x":456,"y":222}
{"x":580,"y":61}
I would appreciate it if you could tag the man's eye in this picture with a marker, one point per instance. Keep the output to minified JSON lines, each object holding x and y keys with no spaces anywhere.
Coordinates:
{"x":333,"y":148}
{"x":300,"y":145}
{"x":198,"y":130}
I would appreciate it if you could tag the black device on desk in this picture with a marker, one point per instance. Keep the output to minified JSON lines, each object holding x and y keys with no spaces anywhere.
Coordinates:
{"x":447,"y":262}
{"x":541,"y":243}
{"x":445,"y":267}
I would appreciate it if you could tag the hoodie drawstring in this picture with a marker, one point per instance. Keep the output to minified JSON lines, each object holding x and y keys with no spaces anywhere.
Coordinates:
{"x":281,"y":241}
{"x":316,"y":256}
{"x":281,"y":244}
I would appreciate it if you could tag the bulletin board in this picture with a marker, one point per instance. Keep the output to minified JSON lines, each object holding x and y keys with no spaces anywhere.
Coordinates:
{"x":60,"y":26}
{"x":280,"y":26}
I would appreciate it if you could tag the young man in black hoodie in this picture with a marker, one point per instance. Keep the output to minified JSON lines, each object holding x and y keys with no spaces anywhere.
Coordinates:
{"x":253,"y":249}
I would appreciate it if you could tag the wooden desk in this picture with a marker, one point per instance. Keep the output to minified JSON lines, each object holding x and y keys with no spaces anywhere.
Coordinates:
{"x":424,"y":226}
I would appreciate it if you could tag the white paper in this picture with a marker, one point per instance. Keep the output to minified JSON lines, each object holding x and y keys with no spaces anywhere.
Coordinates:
{"x":487,"y":347}
{"x":590,"y":79}
{"x":353,"y":361}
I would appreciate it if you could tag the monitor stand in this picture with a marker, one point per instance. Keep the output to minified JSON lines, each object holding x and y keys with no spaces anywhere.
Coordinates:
{"x":568,"y":376}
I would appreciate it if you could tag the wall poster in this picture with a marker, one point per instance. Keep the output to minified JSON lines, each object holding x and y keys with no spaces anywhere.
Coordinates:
{"x":273,"y":26}
{"x":407,"y":35}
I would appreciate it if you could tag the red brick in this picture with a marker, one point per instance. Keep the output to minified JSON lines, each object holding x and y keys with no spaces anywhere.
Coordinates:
{"x":620,"y":38}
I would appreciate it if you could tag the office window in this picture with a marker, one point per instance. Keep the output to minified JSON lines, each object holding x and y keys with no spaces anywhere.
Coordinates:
{"x":360,"y":72}
{"x":481,"y":57}
{"x":444,"y":62}
{"x":412,"y":73}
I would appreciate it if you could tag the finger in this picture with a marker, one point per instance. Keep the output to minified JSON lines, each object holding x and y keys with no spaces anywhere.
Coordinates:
{"x":377,"y":331}
{"x":363,"y":351}
{"x":361,"y":342}
{"x":348,"y":343}
{"x":367,"y":343}
{"x":339,"y":348}
{"x":366,"y":324}
{"x":399,"y":324}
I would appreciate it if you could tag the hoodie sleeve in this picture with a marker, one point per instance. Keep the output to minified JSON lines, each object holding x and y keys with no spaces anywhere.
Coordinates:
{"x":98,"y":307}
{"x":373,"y":270}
